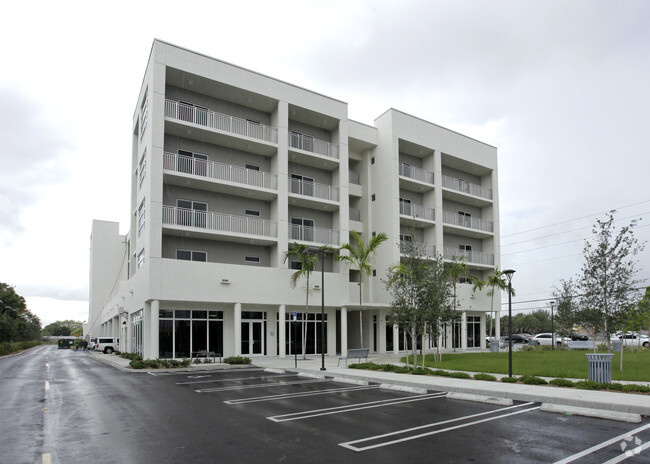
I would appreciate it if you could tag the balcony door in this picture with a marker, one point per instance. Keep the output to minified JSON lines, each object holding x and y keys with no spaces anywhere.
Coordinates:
{"x":302,"y":229}
{"x":191,"y":213}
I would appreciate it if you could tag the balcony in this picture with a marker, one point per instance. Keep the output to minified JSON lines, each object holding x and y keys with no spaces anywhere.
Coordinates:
{"x":354,"y":177}
{"x":421,"y":249}
{"x":473,"y":257}
{"x":205,"y":222}
{"x":313,"y":145}
{"x":414,"y":178}
{"x":418,"y":213}
{"x":485,"y":228}
{"x":313,"y":189}
{"x":219,"y":121}
{"x":466,"y":192}
{"x":313,"y":234}
{"x":355,"y":214}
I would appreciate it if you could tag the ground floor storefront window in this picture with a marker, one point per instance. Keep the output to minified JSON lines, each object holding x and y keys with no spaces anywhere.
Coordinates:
{"x":473,"y":331}
{"x":311,"y":324}
{"x":136,"y":332}
{"x":184,"y":333}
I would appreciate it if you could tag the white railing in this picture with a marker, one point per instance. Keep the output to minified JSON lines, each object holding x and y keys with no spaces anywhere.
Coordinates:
{"x":314,"y":145}
{"x":175,"y":216}
{"x":417,"y":211}
{"x":219,"y":171}
{"x":466,"y":187}
{"x":219,"y":121}
{"x":476,"y":257}
{"x":314,"y":189}
{"x":450,"y":217}
{"x":415,"y":173}
{"x":354,"y":178}
{"x":355,"y":214}
{"x":313,"y":234}
{"x":421,"y":248}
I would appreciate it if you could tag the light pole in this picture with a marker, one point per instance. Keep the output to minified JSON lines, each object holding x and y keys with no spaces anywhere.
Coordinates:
{"x":321,"y":252}
{"x":552,"y":327}
{"x":508,"y":273}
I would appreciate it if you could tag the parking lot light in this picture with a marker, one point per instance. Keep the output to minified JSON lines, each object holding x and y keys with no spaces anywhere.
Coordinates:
{"x":508,"y":273}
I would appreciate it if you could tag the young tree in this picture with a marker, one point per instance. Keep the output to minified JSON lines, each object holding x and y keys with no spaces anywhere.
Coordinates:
{"x":307,"y":264}
{"x":361,"y":255}
{"x":565,"y":313}
{"x":608,"y":273}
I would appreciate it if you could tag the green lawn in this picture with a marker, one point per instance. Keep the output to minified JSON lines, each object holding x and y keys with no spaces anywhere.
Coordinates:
{"x":558,"y":364}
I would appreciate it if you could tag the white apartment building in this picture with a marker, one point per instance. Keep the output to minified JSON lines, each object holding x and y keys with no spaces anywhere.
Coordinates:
{"x":231,"y":168}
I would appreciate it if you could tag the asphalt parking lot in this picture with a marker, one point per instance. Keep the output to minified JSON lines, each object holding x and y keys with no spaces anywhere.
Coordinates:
{"x":307,"y":419}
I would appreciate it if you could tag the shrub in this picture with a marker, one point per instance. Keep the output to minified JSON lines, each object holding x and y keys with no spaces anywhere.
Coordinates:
{"x":420,"y":371}
{"x":135,"y":364}
{"x":441,"y":373}
{"x":532,"y":380}
{"x":589,"y":385}
{"x":510,"y":379}
{"x":488,"y":377}
{"x":13,"y":347}
{"x":460,"y":375}
{"x":236,"y":360}
{"x":635,"y":388}
{"x":562,"y":383}
{"x":132,"y":356}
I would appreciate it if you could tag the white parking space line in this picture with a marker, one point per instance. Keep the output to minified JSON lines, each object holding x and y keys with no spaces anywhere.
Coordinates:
{"x":258,"y":385}
{"x":300,"y":395}
{"x":189,"y":373}
{"x":353,"y":407}
{"x":352,"y":444}
{"x":629,"y":453}
{"x":235,"y":379}
{"x":47,"y":385}
{"x":604,"y":444}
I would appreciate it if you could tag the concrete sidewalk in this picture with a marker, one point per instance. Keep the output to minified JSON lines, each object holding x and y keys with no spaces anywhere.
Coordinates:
{"x":595,"y":401}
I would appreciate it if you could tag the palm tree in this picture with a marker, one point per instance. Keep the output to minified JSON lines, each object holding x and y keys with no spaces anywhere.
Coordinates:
{"x":307,"y":265}
{"x":495,"y":281}
{"x":361,"y":256}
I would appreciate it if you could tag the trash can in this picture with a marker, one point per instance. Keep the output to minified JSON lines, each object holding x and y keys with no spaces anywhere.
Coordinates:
{"x":494,"y":345}
{"x":616,"y":345}
{"x":600,"y":367}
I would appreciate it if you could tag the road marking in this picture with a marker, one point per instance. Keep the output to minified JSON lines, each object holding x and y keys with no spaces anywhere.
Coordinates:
{"x":259,"y":385}
{"x":193,"y":372}
{"x":46,"y":458}
{"x":629,"y":453}
{"x":351,"y":444}
{"x":198,"y":376}
{"x":299,"y":395}
{"x":353,"y":407}
{"x":47,"y":385}
{"x":233,"y":379}
{"x":604,"y":444}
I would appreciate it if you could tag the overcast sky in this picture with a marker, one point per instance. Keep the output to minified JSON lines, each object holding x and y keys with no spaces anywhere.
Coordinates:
{"x":561,"y":88}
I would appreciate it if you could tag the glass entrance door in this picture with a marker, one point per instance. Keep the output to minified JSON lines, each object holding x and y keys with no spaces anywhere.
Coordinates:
{"x":252,"y":337}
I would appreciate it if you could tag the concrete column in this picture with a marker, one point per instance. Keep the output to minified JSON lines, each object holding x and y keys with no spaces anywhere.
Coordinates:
{"x":497,"y":324}
{"x":282,"y":335}
{"x":463,"y":331}
{"x":484,"y":330}
{"x":237,"y":330}
{"x":395,"y":339}
{"x":344,"y":330}
{"x":437,"y":179}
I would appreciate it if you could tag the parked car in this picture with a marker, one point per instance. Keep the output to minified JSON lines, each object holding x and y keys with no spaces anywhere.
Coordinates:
{"x":92,"y":342}
{"x":107,"y":344}
{"x":547,"y":338}
{"x":632,"y":338}
{"x":523,"y":339}
{"x":575,"y":336}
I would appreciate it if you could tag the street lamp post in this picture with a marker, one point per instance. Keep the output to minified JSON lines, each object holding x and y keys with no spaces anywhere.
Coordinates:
{"x":508,"y":273}
{"x":552,"y":327}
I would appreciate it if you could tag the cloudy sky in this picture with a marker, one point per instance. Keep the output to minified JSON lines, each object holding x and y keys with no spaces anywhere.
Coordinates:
{"x":560,"y":88}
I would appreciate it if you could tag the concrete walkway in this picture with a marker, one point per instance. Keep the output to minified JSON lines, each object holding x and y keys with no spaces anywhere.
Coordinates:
{"x":598,"y":403}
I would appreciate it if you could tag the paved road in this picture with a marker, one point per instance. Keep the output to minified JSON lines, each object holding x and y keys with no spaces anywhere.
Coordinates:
{"x":62,"y":406}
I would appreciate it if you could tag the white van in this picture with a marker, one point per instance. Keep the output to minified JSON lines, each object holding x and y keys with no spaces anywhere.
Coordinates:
{"x":107,"y":344}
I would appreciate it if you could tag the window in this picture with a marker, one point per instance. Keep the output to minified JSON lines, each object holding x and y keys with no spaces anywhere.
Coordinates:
{"x":141,"y":218}
{"x":193,"y":113}
{"x":252,"y":167}
{"x":187,"y":255}
{"x":253,"y":128}
{"x":302,"y":185}
{"x":252,"y":212}
{"x":405,"y":206}
{"x":252,"y":259}
{"x":464,"y":280}
{"x":295,"y":265}
{"x":144,"y":113}
{"x":142,"y":169}
{"x":140,"y":259}
{"x":466,"y":250}
{"x":191,"y":213}
{"x":464,"y":219}
{"x":463,"y":185}
{"x":192,"y":163}
{"x":372,"y":197}
{"x":372,"y":160}
{"x":302,"y":229}
{"x":405,"y":238}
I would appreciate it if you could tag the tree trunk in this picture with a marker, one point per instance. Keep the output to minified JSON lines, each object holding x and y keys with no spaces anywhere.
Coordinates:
{"x":304,"y":322}
{"x":361,"y":316}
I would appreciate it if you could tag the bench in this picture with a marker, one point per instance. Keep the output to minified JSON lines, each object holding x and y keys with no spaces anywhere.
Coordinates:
{"x":353,"y":353}
{"x":207,"y":354}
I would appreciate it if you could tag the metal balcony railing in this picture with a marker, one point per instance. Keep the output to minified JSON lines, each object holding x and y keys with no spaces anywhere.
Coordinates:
{"x":421,"y":248}
{"x":354,"y":177}
{"x":313,"y":234}
{"x":450,"y":217}
{"x":417,"y":211}
{"x":475,"y":257}
{"x":465,"y":186}
{"x":175,"y":216}
{"x":219,"y":171}
{"x":314,"y":189}
{"x":314,"y":145}
{"x":355,"y":214}
{"x":219,"y":121}
{"x":415,"y":173}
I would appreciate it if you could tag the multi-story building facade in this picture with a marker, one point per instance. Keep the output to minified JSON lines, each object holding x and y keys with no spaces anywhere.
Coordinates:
{"x":231,"y":168}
